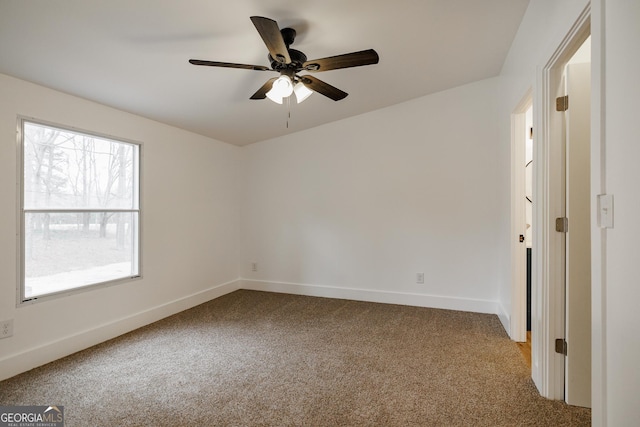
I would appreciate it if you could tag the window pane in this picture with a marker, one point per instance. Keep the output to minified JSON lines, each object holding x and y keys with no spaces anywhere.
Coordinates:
{"x":68,"y":170}
{"x":69,"y":250}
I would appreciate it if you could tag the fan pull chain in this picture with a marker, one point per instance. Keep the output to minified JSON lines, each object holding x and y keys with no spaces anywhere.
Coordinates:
{"x":288,"y":110}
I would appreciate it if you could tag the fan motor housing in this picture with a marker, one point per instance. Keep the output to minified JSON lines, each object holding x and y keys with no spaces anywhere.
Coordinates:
{"x":297,"y":59}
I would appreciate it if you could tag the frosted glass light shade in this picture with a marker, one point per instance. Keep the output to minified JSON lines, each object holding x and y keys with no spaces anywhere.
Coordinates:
{"x":274,"y":97}
{"x":282,"y":87}
{"x":302,"y":92}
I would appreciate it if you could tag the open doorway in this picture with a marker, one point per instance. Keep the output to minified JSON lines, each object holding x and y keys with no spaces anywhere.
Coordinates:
{"x":522,"y":222}
{"x":525,"y":347}
{"x":550,"y":264}
{"x":552,"y":339}
{"x":528,"y":213}
{"x":522,"y":163}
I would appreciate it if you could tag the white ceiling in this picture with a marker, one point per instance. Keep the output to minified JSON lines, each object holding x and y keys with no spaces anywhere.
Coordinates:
{"x":133,"y":55}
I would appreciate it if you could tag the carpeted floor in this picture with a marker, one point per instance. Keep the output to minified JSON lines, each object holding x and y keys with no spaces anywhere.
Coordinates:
{"x":263,"y":359}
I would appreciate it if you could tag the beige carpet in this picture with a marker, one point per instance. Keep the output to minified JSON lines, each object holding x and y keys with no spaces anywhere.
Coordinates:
{"x":263,"y":359}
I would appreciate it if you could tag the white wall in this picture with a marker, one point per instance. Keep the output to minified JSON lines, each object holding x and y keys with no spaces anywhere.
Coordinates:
{"x":356,"y":208}
{"x":621,"y":177}
{"x":190,"y":229}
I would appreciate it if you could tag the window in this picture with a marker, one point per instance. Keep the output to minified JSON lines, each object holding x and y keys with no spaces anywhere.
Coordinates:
{"x":80,"y":213}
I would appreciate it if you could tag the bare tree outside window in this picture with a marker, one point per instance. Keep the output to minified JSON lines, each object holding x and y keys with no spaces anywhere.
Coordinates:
{"x":80,"y":209}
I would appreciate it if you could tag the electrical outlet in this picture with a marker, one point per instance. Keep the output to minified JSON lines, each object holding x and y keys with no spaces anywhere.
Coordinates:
{"x":6,"y":328}
{"x":254,"y":266}
{"x":420,"y":278}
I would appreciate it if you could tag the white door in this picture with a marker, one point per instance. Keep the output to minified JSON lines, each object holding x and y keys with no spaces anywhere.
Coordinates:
{"x":578,"y":237}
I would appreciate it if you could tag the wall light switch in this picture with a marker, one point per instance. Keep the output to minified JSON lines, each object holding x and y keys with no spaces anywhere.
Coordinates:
{"x":605,"y":210}
{"x":420,"y":278}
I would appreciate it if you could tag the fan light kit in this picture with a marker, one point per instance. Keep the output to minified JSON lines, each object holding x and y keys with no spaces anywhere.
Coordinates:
{"x":283,"y":87}
{"x":288,"y":62}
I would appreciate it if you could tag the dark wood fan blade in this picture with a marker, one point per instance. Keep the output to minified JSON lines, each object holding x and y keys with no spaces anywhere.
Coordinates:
{"x":262,"y":92}
{"x":270,"y":33}
{"x":229,"y":65}
{"x":354,"y":59}
{"x":323,"y":88}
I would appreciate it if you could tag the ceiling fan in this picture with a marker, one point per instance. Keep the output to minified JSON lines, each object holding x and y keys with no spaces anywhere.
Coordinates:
{"x":289,"y":62}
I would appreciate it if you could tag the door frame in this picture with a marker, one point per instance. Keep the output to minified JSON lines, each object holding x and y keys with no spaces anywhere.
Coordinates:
{"x":548,"y":269}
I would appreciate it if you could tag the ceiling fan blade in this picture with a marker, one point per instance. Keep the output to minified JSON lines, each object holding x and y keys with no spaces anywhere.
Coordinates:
{"x":354,"y":59}
{"x":229,"y":65}
{"x":262,"y":92}
{"x":270,"y":33}
{"x":323,"y":88}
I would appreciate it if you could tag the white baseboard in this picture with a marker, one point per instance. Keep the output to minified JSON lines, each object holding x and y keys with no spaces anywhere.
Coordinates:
{"x":388,"y":297}
{"x":38,"y":356}
{"x":505,"y":319}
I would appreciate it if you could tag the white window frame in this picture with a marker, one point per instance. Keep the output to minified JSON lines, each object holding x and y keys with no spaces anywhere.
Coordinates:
{"x":21,"y":213}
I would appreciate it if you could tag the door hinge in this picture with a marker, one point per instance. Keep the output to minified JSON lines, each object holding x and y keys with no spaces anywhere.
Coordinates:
{"x":561,"y":346}
{"x":562,"y":224}
{"x":562,"y":103}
